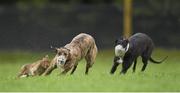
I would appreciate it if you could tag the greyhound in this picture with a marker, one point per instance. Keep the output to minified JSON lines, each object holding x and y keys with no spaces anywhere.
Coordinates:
{"x":34,"y":69}
{"x":128,"y":50}
{"x":68,"y":57}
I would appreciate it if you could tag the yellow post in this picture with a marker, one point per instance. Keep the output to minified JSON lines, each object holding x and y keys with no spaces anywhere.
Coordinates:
{"x":127,"y":18}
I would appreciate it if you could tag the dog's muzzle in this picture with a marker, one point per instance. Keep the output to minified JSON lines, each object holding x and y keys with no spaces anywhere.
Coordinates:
{"x":61,"y":60}
{"x":119,"y":50}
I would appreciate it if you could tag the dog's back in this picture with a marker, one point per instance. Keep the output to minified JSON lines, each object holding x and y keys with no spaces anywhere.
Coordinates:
{"x":82,"y":42}
{"x":83,"y":39}
{"x":141,"y":42}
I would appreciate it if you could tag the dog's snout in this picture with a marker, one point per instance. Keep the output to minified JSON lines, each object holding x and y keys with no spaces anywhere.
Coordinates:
{"x":62,"y":62}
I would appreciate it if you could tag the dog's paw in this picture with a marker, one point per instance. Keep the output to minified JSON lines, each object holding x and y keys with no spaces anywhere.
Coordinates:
{"x":120,"y":60}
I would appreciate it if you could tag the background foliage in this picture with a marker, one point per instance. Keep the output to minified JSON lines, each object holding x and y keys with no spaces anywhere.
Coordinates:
{"x":37,"y":24}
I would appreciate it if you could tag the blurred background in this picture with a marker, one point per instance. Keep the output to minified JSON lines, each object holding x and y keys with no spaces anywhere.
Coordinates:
{"x":37,"y":24}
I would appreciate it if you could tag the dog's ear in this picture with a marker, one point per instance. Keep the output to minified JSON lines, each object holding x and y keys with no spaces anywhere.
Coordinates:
{"x":55,"y":48}
{"x":45,"y":64}
{"x":116,"y":41}
{"x":68,"y":49}
{"x":126,"y":40}
{"x":46,"y":56}
{"x":123,"y":38}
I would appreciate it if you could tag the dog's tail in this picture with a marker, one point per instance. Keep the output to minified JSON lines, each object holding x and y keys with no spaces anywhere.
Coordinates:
{"x":157,"y":62}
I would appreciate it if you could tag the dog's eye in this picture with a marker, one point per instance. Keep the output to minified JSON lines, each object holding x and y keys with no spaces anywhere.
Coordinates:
{"x":65,"y":54}
{"x":59,"y":53}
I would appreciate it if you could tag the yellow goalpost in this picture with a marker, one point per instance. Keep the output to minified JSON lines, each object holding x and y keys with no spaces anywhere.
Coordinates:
{"x":127,"y":18}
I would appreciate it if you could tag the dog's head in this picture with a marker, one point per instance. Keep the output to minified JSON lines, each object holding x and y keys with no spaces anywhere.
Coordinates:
{"x":62,"y":55}
{"x":24,"y":72}
{"x":45,"y":62}
{"x":121,"y":46}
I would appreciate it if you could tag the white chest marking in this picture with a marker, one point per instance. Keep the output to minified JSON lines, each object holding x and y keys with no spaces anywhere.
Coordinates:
{"x":120,"y":60}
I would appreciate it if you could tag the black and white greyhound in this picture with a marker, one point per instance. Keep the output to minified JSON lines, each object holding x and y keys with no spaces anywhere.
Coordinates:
{"x":128,"y":50}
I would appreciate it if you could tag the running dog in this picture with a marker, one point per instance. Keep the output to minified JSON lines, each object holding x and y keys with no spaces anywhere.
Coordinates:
{"x":67,"y":57}
{"x":128,"y":50}
{"x":34,"y":69}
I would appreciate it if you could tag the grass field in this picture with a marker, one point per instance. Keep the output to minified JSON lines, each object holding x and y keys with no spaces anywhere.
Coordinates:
{"x":157,"y":77}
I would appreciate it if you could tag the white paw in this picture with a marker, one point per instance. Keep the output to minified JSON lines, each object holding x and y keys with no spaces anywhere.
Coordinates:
{"x":23,"y":76}
{"x":120,"y":60}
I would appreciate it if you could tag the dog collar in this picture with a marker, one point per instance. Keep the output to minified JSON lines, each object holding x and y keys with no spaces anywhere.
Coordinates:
{"x":127,"y":48}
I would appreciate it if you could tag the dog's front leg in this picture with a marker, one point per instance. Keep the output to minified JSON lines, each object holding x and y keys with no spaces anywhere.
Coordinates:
{"x":67,"y":67}
{"x":50,"y":69}
{"x":74,"y":68}
{"x":115,"y":65}
{"x":65,"y":71}
{"x":126,"y":64}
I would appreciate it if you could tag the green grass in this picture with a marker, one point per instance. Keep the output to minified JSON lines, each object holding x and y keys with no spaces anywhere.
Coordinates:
{"x":157,"y":77}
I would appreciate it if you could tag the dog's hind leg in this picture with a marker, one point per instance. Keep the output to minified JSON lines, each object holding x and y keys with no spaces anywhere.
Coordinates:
{"x":87,"y":68}
{"x":89,"y":63}
{"x":145,"y":62}
{"x":134,"y":66}
{"x":90,"y":58}
{"x":145,"y":57}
